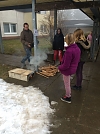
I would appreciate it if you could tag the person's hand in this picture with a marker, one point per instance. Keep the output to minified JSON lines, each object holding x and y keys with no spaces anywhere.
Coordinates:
{"x":29,"y":45}
{"x":58,"y":70}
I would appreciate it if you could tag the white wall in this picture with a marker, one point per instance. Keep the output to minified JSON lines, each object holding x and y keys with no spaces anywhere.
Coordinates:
{"x":11,"y":16}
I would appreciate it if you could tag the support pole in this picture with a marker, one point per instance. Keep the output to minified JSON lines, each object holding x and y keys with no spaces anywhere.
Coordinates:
{"x":55,"y":21}
{"x":1,"y":45}
{"x":96,"y":44}
{"x":98,"y":34}
{"x":93,"y":45}
{"x":34,"y":26}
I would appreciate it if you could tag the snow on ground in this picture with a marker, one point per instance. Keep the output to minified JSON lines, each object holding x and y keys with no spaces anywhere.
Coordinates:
{"x":23,"y":110}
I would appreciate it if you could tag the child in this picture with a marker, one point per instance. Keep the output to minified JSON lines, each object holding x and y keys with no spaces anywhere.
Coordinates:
{"x":69,"y":65}
{"x":58,"y":45}
{"x":84,"y":45}
{"x":89,"y":37}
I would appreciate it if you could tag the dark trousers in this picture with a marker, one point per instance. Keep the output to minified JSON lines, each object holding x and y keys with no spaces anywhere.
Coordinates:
{"x":79,"y":75}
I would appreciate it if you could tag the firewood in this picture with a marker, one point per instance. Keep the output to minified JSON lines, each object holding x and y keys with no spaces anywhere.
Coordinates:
{"x":45,"y":73}
{"x":42,"y":75}
{"x":48,"y":70}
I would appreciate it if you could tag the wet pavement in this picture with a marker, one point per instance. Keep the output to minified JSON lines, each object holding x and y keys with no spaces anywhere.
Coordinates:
{"x":83,"y":114}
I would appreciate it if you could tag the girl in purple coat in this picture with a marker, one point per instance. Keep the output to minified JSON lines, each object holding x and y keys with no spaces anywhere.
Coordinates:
{"x":69,"y":65}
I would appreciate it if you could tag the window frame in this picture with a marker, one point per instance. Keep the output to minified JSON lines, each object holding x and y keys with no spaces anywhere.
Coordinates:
{"x":42,"y":29}
{"x":10,"y":28}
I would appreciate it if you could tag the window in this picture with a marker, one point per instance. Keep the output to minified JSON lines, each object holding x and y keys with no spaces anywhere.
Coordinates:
{"x":10,"y":28}
{"x":43,"y":29}
{"x":42,"y":12}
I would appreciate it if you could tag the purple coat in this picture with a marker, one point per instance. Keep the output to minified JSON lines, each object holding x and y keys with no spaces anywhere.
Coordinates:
{"x":70,"y":60}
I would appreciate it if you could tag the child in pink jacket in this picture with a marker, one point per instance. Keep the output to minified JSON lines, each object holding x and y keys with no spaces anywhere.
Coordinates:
{"x":69,"y":65}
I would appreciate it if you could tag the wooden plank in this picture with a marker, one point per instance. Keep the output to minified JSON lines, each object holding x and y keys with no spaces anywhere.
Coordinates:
{"x":42,"y":75}
{"x":27,"y":72}
{"x":11,"y":74}
{"x":14,"y":70}
{"x":20,"y":74}
{"x":20,"y":71}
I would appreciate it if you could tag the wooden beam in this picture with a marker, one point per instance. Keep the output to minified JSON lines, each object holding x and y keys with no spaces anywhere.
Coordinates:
{"x":43,"y":6}
{"x":87,"y":4}
{"x":87,"y":14}
{"x":16,"y":7}
{"x":59,"y":5}
{"x":96,"y":12}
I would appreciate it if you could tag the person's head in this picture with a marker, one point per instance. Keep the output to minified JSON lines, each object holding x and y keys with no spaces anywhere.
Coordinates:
{"x":69,"y":39}
{"x":59,"y":31}
{"x":79,"y":35}
{"x":90,"y":32}
{"x":26,"y":26}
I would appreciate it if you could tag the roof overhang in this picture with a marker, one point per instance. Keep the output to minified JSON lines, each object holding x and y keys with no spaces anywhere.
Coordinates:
{"x":47,"y":4}
{"x":89,"y":7}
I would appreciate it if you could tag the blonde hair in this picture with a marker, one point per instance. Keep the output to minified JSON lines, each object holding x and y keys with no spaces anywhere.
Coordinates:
{"x":79,"y":35}
{"x":69,"y":39}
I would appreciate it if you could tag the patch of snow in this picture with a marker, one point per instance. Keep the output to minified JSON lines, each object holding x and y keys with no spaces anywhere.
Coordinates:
{"x":54,"y":103}
{"x":23,"y":110}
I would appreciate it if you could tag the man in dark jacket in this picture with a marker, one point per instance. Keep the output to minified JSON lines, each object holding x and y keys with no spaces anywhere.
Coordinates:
{"x":58,"y":45}
{"x":27,"y":41}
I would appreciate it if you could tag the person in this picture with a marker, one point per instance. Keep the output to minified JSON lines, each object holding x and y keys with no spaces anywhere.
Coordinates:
{"x":58,"y":45}
{"x":69,"y":65}
{"x":27,"y":41}
{"x":83,"y":44}
{"x":89,"y":37}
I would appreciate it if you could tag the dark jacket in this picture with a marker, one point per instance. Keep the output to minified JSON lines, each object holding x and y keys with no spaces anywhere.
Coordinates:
{"x":70,"y":60}
{"x":26,"y":38}
{"x":58,"y":43}
{"x":84,"y":52}
{"x":80,"y":46}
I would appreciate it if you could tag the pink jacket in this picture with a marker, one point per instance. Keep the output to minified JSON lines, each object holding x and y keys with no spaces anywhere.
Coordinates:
{"x":70,"y":60}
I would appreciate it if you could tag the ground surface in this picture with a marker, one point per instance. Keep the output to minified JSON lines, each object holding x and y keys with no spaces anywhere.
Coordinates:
{"x":79,"y":117}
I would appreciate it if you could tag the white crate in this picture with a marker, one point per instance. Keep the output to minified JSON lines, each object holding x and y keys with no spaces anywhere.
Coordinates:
{"x":20,"y":74}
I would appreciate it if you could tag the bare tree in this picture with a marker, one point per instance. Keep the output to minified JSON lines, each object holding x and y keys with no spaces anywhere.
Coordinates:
{"x":62,"y":17}
{"x":48,"y":22}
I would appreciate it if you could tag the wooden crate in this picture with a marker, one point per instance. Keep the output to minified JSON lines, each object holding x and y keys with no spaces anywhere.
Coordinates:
{"x":21,"y":74}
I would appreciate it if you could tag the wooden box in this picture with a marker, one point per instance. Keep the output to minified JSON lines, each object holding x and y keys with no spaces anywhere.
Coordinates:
{"x":21,"y":74}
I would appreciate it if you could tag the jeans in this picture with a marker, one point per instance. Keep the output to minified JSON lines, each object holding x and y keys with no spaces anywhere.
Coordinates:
{"x":28,"y":54}
{"x":79,"y":75}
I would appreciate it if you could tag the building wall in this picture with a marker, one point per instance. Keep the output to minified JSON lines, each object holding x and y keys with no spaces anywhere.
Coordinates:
{"x":13,"y":17}
{"x":40,"y":19}
{"x":28,"y":19}
{"x":18,"y":18}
